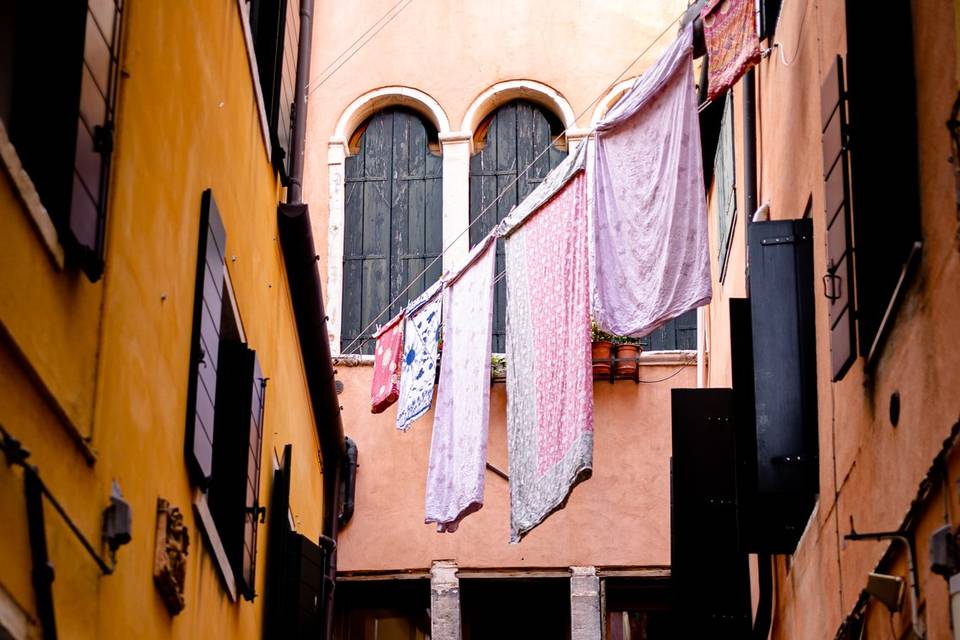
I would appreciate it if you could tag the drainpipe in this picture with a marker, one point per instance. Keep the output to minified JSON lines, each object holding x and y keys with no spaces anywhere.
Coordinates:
{"x":299,"y":136}
{"x":749,"y":160}
{"x":761,"y":624}
{"x":300,"y":259}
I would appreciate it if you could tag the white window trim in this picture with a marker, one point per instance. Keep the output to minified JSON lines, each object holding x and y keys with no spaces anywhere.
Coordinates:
{"x":23,"y":185}
{"x":255,"y":77}
{"x":208,"y":527}
{"x":457,"y":147}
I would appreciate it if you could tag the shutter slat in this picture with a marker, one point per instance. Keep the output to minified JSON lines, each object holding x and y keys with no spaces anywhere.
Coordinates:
{"x":838,"y":279}
{"x":203,"y":379}
{"x":94,"y":143}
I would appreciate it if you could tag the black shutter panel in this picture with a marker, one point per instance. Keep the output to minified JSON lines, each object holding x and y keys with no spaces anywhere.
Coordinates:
{"x":303,"y":588}
{"x":784,"y":378}
{"x":278,"y":527}
{"x":235,"y":486}
{"x":252,"y":446}
{"x":202,"y":386}
{"x":838,"y":281}
{"x":705,"y":539}
{"x":94,"y":146}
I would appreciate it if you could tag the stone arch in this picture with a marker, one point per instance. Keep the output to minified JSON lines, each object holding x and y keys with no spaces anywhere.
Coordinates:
{"x":378,"y":99}
{"x":610,"y":99}
{"x":503,"y":92}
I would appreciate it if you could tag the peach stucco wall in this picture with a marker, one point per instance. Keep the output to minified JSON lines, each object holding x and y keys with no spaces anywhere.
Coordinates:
{"x":869,"y":470}
{"x":621,"y":516}
{"x":452,"y":52}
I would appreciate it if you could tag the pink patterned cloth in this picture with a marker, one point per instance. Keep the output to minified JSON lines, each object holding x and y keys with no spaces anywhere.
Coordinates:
{"x":549,"y":371}
{"x":651,"y":257}
{"x":458,"y":449}
{"x":730,"y":31}
{"x":386,"y":365}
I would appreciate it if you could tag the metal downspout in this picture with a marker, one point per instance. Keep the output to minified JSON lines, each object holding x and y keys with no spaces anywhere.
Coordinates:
{"x":749,"y":160}
{"x":298,"y":144}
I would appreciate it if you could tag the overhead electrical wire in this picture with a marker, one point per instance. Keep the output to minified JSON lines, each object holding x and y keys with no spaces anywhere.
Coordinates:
{"x":360,"y":337}
{"x":311,"y":87}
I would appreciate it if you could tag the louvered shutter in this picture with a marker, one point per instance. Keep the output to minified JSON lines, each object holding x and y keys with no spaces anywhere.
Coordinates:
{"x":252,"y":446}
{"x":282,"y":124}
{"x":838,"y":281}
{"x":94,"y":146}
{"x":207,"y":303}
{"x":235,"y":487}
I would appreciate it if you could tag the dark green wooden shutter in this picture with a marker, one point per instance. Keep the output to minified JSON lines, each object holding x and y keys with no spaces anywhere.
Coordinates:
{"x":838,"y":280}
{"x":205,"y":343}
{"x":884,"y":163}
{"x":515,"y":138}
{"x":393,"y":225}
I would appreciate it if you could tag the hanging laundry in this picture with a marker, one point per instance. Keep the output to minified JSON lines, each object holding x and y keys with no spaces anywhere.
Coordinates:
{"x":386,"y":365}
{"x":458,"y":450}
{"x":730,"y":31}
{"x":421,"y":335}
{"x":651,"y":261}
{"x":549,"y":370}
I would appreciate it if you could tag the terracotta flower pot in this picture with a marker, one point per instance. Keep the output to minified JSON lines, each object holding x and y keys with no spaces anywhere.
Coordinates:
{"x":602,"y":358}
{"x":627,"y":362}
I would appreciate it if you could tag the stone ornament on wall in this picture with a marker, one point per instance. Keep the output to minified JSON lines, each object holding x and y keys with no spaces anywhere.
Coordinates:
{"x":170,"y":555}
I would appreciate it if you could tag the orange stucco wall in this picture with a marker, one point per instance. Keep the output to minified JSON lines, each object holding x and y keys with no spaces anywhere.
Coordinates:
{"x":869,"y":470}
{"x":621,"y":516}
{"x":94,"y":375}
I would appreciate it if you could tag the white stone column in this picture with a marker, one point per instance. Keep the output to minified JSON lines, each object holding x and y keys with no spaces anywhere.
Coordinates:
{"x":444,"y":601}
{"x":336,"y":156}
{"x":456,"y":196}
{"x":585,"y":623}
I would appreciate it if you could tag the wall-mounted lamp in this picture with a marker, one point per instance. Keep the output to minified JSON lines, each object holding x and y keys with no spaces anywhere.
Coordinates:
{"x":117,"y":522}
{"x":886,"y":589}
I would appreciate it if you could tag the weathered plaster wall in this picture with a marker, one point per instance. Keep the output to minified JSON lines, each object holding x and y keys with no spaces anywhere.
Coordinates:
{"x":621,"y":516}
{"x":109,"y":361}
{"x":869,"y":470}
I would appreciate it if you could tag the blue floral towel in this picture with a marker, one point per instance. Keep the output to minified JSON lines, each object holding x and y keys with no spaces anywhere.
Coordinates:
{"x":418,"y":368}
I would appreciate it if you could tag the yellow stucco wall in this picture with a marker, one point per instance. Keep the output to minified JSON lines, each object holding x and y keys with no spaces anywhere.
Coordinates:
{"x":107,"y":363}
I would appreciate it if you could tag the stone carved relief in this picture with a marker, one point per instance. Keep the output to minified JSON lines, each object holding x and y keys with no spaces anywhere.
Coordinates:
{"x":170,"y":555}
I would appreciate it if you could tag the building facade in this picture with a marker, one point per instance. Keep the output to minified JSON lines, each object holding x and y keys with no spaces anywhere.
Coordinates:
{"x":422,"y":138}
{"x":844,"y":135}
{"x":163,"y":445}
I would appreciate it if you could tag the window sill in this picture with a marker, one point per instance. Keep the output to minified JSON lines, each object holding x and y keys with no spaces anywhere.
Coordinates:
{"x":209,"y":529}
{"x":647,"y":359}
{"x":25,"y":188}
{"x":898,"y":294}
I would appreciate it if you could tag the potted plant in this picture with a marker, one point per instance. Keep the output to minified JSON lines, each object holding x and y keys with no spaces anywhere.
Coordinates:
{"x":627,"y":363}
{"x":498,"y":367}
{"x":602,"y":352}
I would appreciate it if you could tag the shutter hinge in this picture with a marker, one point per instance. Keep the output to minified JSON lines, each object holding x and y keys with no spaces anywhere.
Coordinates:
{"x":259,"y":513}
{"x":103,"y":138}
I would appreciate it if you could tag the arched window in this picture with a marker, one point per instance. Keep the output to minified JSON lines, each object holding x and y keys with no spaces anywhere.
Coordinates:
{"x":505,"y":143}
{"x":392,"y":219}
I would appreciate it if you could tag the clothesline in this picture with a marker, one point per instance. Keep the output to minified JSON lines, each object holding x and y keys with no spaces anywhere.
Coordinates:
{"x":360,"y":336}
